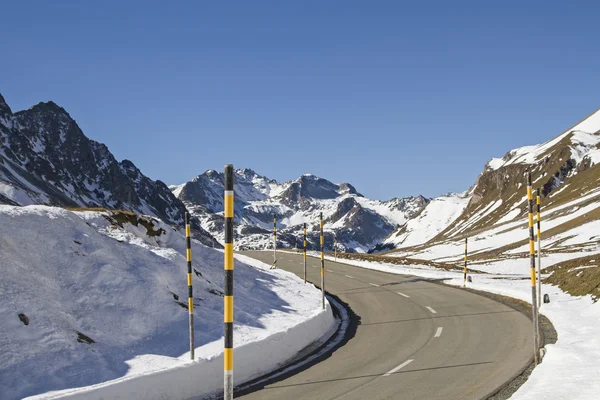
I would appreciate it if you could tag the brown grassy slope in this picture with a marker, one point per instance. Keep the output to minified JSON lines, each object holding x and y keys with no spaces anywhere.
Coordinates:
{"x":120,"y":217}
{"x":577,"y":282}
{"x":508,"y":184}
{"x":401,"y":261}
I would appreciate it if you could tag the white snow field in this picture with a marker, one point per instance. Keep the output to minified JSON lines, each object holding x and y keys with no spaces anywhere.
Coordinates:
{"x":120,"y":284}
{"x":570,"y":367}
{"x":435,"y":217}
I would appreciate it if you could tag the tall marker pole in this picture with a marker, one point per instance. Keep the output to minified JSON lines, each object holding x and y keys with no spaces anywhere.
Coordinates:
{"x":335,"y":247}
{"x":188,"y":253}
{"x":532,"y":270}
{"x":539,"y":250}
{"x":274,"y":241}
{"x":322,"y":264}
{"x":228,"y":295}
{"x":305,"y":252}
{"x":465,"y":275}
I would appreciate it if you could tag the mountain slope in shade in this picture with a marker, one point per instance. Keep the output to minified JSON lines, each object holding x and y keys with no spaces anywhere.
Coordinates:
{"x":493,"y":213}
{"x":46,"y":159}
{"x":357,"y":223}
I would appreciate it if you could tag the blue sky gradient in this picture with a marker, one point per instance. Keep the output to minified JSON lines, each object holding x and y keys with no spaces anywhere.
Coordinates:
{"x":398,"y":98}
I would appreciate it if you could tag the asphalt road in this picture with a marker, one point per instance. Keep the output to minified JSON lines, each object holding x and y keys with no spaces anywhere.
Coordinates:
{"x":415,"y":340}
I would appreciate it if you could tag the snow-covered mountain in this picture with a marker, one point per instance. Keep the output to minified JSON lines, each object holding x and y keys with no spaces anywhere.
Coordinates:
{"x":46,"y":159}
{"x":492,"y":213}
{"x":356,"y":222}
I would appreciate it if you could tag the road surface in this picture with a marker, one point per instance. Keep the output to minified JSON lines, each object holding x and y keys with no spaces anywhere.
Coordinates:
{"x":415,"y":340}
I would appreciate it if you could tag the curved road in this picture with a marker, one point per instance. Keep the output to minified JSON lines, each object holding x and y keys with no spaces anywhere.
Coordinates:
{"x":415,"y":340}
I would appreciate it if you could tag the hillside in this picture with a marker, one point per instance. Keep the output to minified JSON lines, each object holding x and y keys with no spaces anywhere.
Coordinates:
{"x":493,"y":213}
{"x":88,"y":297}
{"x":46,"y":159}
{"x":356,"y":222}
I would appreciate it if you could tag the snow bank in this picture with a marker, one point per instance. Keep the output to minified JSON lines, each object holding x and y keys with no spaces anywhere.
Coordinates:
{"x":192,"y":379}
{"x":124,"y":285}
{"x":570,"y":367}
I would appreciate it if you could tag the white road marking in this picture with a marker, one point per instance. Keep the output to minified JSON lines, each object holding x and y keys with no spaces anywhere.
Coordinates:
{"x":438,"y":333}
{"x":404,"y":364}
{"x":373,"y":284}
{"x":431,"y":309}
{"x":329,"y":270}
{"x":402,"y":294}
{"x":348,"y":276}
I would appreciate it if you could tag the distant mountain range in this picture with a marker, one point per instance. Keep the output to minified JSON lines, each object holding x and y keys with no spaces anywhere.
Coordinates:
{"x":352,"y":221}
{"x":45,"y":158}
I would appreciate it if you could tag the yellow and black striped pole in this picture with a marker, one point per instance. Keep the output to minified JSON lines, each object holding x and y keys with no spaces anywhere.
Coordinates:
{"x":188,"y":253}
{"x":539,"y":250}
{"x":305,"y":252}
{"x":334,"y":247}
{"x":322,"y":264}
{"x":228,"y":298}
{"x":532,"y":269}
{"x":274,"y":242}
{"x":465,"y":275}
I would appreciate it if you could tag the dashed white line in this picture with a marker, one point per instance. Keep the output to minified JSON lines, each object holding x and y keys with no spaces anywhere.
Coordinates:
{"x":431,"y":309}
{"x":438,"y":333}
{"x":329,"y":270}
{"x":404,"y":364}
{"x":402,"y":294}
{"x":373,"y":284}
{"x":348,"y":276}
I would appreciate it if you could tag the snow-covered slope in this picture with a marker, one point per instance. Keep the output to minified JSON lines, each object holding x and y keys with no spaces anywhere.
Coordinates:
{"x":435,"y":217}
{"x":46,"y":159}
{"x":88,"y":297}
{"x":492,"y":213}
{"x":358,"y":223}
{"x":582,"y":138}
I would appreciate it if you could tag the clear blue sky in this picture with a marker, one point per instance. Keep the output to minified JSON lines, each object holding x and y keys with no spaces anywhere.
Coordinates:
{"x":398,"y":98}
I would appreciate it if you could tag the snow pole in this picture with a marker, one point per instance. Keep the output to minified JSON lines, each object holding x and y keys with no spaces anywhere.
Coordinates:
{"x":465,"y":272}
{"x":188,"y":253}
{"x":334,"y":247}
{"x":322,"y":264}
{"x":539,"y":250}
{"x":275,"y":239}
{"x":305,"y":252}
{"x":228,"y":286}
{"x":532,"y":270}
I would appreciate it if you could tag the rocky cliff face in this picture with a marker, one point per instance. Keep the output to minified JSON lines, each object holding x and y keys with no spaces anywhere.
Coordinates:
{"x":46,"y":159}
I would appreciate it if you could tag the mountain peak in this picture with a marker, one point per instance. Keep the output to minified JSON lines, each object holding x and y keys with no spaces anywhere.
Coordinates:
{"x":4,"y":108}
{"x":49,"y":106}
